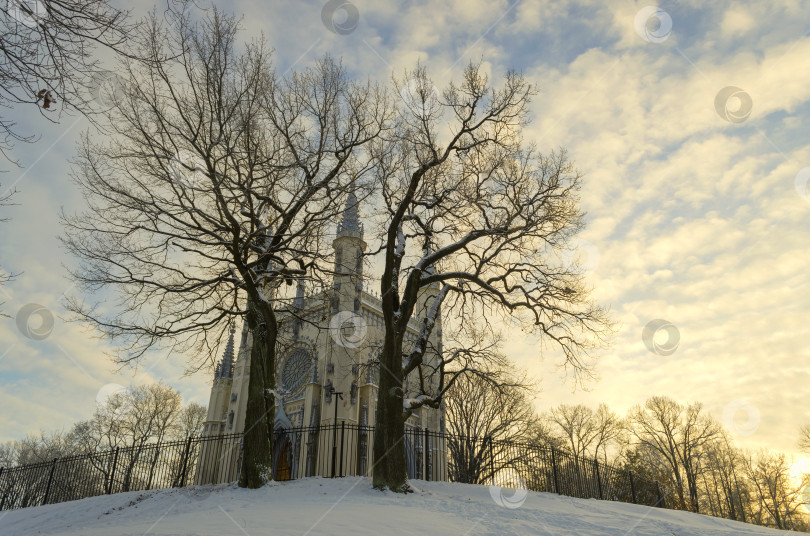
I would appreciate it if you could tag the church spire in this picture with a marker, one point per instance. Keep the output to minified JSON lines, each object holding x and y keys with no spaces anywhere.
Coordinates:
{"x":300,"y":291}
{"x":350,"y":224}
{"x":225,"y":368}
{"x":349,"y":249}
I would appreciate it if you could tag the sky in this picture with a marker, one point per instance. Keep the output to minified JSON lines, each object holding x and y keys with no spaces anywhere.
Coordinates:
{"x":686,"y":120}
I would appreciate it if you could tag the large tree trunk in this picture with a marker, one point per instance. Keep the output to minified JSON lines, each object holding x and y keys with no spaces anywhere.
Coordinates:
{"x":257,"y":453}
{"x":389,"y":468}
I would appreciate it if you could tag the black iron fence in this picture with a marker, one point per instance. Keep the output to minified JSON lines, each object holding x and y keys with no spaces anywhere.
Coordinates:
{"x":338,"y":450}
{"x":138,"y":467}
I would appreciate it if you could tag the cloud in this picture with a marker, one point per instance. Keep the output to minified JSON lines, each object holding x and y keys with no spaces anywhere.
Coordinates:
{"x":696,"y":219}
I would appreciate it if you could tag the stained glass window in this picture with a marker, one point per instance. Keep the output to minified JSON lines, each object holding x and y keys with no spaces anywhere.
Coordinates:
{"x":296,"y":370}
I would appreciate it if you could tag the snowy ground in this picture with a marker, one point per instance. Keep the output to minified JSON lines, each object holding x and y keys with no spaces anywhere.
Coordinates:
{"x":349,"y":506}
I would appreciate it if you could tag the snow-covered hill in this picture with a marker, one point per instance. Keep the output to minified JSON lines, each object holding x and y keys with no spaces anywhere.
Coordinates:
{"x":350,"y":507}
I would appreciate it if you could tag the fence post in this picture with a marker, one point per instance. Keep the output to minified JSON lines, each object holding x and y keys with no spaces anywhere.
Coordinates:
{"x":598,"y":478}
{"x":426,"y":453}
{"x":632,"y":488}
{"x":185,"y":462}
{"x":239,"y":458}
{"x":50,"y":479}
{"x":112,"y":472}
{"x":554,"y":468}
{"x":342,"y":440}
{"x":334,"y":445}
{"x":659,"y":504}
{"x":491,"y":461}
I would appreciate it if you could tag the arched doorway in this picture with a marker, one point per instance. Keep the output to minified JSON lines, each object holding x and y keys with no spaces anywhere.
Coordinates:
{"x":283,"y":467}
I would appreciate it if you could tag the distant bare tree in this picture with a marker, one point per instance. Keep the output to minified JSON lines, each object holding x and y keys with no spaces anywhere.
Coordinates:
{"x":217,"y":186}
{"x":137,"y":416}
{"x":134,"y":420}
{"x":49,"y":57}
{"x":778,"y":498}
{"x":5,"y":200}
{"x":723,"y":475}
{"x":482,"y":414}
{"x":804,"y":438}
{"x":587,"y":433}
{"x":576,"y":425}
{"x":676,"y":435}
{"x":27,"y":487}
{"x":43,"y":447}
{"x":190,"y":422}
{"x":469,"y":211}
{"x":8,"y":454}
{"x":610,"y":429}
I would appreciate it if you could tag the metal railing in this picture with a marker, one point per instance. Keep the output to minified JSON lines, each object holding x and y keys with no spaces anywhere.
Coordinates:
{"x":344,"y":449}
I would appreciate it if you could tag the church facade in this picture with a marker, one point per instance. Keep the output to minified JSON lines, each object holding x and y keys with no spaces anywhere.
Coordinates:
{"x":327,"y":374}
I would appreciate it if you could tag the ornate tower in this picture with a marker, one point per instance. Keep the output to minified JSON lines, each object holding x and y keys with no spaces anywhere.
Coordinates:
{"x":347,"y":329}
{"x":216,"y":419}
{"x":349,"y":248}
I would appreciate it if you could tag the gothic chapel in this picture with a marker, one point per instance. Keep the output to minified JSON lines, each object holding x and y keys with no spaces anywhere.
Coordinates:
{"x":329,"y":344}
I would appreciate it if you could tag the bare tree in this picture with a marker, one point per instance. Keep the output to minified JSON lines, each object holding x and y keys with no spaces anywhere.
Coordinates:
{"x":676,"y":435}
{"x":804,"y":438}
{"x":136,"y":416}
{"x":469,"y":210}
{"x":36,"y":451}
{"x":726,"y":491}
{"x":610,"y":429}
{"x":190,"y":422}
{"x":576,"y":425}
{"x":482,"y":417}
{"x":587,"y":433}
{"x":49,"y":58}
{"x":134,"y":420}
{"x":8,"y":454}
{"x":154,"y":411}
{"x":6,"y":277}
{"x":43,"y":447}
{"x":216,"y":188}
{"x":777,"y":498}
